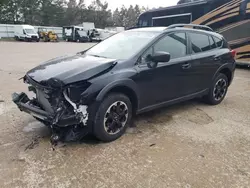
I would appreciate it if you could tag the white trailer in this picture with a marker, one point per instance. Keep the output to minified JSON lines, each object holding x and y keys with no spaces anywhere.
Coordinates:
{"x":26,"y":33}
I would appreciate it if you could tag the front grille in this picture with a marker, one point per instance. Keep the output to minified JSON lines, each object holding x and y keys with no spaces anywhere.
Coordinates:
{"x":34,"y":37}
{"x":47,"y":97}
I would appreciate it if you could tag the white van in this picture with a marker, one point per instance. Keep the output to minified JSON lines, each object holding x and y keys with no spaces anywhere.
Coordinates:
{"x":26,"y":33}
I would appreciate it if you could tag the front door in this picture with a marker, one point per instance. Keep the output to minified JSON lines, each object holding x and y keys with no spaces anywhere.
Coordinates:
{"x":165,"y":81}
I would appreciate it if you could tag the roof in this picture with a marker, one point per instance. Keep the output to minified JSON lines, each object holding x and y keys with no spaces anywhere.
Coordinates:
{"x":178,"y":6}
{"x":165,"y":29}
{"x":150,"y":29}
{"x":73,"y":26}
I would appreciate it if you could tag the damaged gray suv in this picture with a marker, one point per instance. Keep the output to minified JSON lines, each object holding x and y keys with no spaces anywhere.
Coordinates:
{"x":99,"y":90}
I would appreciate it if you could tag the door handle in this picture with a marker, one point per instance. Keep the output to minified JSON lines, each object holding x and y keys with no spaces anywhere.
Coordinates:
{"x":186,"y":66}
{"x":217,"y":59}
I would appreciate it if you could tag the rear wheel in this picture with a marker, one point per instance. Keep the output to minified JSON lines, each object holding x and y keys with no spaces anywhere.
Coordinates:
{"x":46,"y":38}
{"x":218,"y":90}
{"x":112,"y":117}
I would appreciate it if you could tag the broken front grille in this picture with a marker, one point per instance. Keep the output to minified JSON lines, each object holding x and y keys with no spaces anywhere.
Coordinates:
{"x":43,"y":100}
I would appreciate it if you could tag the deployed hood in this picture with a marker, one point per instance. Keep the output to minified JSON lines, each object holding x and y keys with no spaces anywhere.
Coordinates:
{"x":70,"y":69}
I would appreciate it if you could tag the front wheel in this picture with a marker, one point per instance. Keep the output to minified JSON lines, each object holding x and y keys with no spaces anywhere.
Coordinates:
{"x":218,"y":90}
{"x":112,"y":117}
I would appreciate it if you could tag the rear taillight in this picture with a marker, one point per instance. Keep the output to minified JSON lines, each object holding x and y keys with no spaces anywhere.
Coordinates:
{"x":234,"y":53}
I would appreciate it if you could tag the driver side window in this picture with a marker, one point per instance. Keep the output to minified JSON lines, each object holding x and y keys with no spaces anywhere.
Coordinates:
{"x":175,"y":44}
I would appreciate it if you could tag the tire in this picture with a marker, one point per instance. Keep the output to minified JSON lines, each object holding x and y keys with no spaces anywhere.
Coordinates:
{"x":102,"y":126}
{"x":46,"y":39}
{"x":214,"y":96}
{"x":17,"y":38}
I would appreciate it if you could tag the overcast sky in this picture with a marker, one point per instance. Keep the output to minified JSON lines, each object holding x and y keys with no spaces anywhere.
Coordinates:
{"x":113,"y":4}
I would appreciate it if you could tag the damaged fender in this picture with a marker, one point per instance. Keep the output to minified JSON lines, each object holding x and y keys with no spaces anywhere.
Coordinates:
{"x":82,"y":109}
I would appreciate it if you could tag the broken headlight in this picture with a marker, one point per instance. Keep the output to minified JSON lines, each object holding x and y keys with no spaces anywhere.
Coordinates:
{"x":75,"y":90}
{"x":55,"y":83}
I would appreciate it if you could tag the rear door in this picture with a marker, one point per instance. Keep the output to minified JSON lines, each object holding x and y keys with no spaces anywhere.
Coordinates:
{"x":204,"y":62}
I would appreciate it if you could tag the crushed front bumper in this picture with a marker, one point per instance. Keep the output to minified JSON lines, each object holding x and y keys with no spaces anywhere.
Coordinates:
{"x":32,"y":107}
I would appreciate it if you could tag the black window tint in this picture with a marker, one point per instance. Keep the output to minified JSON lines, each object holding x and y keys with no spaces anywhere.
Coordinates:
{"x":212,"y":43}
{"x":175,"y":44}
{"x":218,"y":41}
{"x":199,"y":42}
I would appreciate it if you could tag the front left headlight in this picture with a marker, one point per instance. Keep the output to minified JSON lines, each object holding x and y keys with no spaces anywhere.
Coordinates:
{"x":75,"y":90}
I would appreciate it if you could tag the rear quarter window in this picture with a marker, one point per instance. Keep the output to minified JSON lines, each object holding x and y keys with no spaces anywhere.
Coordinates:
{"x":199,"y":42}
{"x":212,"y":43}
{"x":219,"y":42}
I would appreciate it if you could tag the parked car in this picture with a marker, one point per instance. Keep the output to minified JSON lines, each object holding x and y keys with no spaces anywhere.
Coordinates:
{"x":25,"y":33}
{"x":75,"y":34}
{"x":99,"y":90}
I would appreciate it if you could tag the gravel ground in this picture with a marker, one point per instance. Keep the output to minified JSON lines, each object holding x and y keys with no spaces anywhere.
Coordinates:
{"x":186,"y":145}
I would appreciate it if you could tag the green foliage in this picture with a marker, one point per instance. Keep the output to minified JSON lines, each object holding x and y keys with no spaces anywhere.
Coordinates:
{"x":66,"y":12}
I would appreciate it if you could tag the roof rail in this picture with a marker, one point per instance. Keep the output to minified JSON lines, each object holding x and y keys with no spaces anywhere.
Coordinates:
{"x":194,"y":26}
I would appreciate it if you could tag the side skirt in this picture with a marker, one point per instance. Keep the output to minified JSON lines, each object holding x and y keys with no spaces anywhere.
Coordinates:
{"x":174,"y":101}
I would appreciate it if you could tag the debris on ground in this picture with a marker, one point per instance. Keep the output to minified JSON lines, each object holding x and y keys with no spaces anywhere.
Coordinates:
{"x":32,"y":145}
{"x":18,"y":160}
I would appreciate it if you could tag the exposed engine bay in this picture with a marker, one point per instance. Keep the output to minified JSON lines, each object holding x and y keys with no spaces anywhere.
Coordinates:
{"x":54,"y":107}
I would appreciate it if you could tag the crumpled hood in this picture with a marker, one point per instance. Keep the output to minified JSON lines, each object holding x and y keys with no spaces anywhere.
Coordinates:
{"x":70,"y":69}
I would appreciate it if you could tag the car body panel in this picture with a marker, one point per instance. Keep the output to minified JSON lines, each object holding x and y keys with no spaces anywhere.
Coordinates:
{"x":71,"y":69}
{"x":154,"y":83}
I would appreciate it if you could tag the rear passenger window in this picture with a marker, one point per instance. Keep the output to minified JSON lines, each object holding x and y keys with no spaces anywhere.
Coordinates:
{"x":199,"y":42}
{"x":218,"y":41}
{"x":212,"y":43}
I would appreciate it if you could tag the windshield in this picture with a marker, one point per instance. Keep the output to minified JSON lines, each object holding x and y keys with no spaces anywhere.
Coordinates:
{"x":122,"y":45}
{"x":82,"y":33}
{"x":30,"y":31}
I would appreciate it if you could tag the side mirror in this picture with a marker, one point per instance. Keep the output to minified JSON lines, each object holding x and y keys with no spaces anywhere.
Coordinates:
{"x":24,"y":32}
{"x":160,"y":57}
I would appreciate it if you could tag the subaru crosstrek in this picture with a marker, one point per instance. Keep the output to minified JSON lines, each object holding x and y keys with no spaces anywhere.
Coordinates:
{"x":99,"y":90}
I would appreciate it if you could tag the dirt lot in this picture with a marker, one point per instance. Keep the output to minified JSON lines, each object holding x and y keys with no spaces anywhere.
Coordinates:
{"x":186,"y":145}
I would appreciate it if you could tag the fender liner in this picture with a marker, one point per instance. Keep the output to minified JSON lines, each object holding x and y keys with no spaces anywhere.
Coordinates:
{"x":225,"y":66}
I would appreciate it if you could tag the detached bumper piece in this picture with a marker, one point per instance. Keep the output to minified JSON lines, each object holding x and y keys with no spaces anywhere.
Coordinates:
{"x":30,"y":107}
{"x":25,"y":104}
{"x":64,"y":127}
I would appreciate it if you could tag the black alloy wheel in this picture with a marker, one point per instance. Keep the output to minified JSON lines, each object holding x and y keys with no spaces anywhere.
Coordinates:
{"x":116,"y":117}
{"x":218,"y":91}
{"x":112,"y":117}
